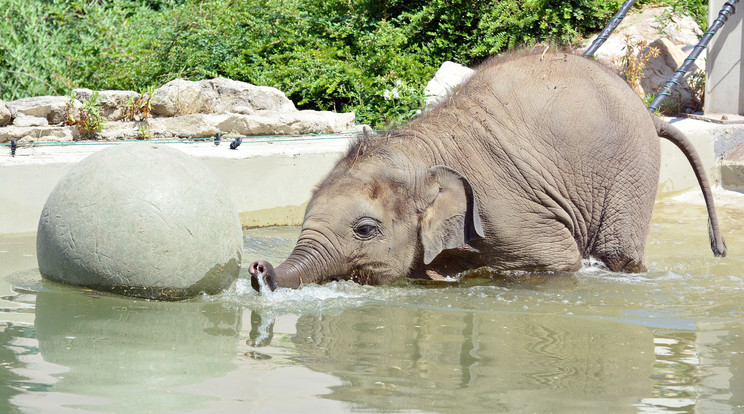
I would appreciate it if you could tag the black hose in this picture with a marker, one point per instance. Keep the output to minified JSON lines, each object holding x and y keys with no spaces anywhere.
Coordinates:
{"x":727,"y":10}
{"x":611,"y":26}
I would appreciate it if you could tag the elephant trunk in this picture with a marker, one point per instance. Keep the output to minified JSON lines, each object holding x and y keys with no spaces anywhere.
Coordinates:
{"x":306,"y":264}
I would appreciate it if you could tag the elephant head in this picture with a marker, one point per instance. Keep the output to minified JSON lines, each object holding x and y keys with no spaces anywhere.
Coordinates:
{"x":377,"y":217}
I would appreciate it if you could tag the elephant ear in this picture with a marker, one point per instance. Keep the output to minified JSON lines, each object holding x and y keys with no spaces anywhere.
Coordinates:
{"x":451,"y":219}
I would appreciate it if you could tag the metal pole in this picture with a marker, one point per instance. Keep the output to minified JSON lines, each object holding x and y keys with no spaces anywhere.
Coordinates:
{"x":611,"y":26}
{"x":727,"y":10}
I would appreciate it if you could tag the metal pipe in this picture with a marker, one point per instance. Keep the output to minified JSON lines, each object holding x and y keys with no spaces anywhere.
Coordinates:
{"x":611,"y":26}
{"x":727,"y":10}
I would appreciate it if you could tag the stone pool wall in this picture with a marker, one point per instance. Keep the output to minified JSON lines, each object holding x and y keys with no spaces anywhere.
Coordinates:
{"x":271,"y":180}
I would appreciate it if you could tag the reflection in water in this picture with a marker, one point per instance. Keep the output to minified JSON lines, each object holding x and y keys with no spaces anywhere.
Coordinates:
{"x":397,"y":357}
{"x":128,"y":352}
{"x":670,"y":340}
{"x":13,"y":347}
{"x":262,"y":328}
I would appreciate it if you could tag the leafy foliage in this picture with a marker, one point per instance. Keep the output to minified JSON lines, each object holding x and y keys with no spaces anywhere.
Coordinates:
{"x":372,"y":57}
{"x":89,"y":119}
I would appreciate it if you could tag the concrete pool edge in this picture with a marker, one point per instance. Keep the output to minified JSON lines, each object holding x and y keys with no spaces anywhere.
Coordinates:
{"x":271,"y":181}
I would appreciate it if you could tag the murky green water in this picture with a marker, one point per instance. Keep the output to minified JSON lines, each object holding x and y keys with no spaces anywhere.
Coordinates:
{"x":671,"y":340}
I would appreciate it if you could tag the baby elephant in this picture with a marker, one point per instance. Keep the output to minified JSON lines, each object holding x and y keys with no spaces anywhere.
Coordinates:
{"x":535,"y":163}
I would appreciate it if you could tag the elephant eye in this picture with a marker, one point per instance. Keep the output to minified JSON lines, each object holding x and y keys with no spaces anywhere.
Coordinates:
{"x":366,"y":228}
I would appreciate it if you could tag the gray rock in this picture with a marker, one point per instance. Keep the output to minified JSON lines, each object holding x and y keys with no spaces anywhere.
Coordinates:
{"x":114,"y":105}
{"x":141,"y":220}
{"x":185,"y":126}
{"x":187,"y":109}
{"x":241,"y":94}
{"x":665,"y":30}
{"x":29,"y":121}
{"x":33,"y":134}
{"x":245,"y":110}
{"x":121,"y":130}
{"x":219,"y":95}
{"x":52,"y":108}
{"x":449,"y":76}
{"x":82,"y":94}
{"x":288,"y":123}
{"x":5,"y":115}
{"x":660,"y":69}
{"x":649,"y":25}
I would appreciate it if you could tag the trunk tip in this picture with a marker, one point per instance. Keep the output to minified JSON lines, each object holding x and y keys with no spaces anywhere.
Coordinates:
{"x":263,"y":276}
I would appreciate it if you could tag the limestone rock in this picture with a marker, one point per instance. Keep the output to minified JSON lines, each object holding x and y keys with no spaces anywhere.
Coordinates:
{"x":667,"y":31}
{"x":141,"y":220}
{"x":649,"y":25}
{"x":33,"y":134}
{"x":449,"y":76}
{"x":122,"y":130}
{"x":185,"y":126}
{"x":288,"y":123}
{"x":180,"y":109}
{"x":5,"y":115}
{"x":219,"y":95}
{"x":310,"y":122}
{"x":83,"y":94}
{"x":30,"y":121}
{"x":661,"y":69}
{"x":52,"y":108}
{"x":113,"y":104}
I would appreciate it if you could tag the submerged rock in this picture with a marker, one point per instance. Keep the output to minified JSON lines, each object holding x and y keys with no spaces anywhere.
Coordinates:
{"x":141,"y":220}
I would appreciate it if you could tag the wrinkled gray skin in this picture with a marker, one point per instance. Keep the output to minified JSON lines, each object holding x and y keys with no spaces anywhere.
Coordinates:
{"x":533,"y":164}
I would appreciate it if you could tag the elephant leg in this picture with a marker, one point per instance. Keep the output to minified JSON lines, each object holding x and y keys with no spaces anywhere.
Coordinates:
{"x":548,"y":247}
{"x":559,"y":253}
{"x":620,"y":241}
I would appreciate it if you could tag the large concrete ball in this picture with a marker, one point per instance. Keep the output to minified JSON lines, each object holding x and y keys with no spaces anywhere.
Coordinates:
{"x":141,"y":220}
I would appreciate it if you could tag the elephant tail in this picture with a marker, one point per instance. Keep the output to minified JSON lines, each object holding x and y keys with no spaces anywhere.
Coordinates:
{"x":665,"y":130}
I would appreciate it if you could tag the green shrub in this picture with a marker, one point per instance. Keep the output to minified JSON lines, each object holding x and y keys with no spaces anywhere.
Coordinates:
{"x":370,"y":57}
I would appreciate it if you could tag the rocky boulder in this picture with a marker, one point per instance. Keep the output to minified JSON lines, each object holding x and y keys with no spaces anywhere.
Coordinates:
{"x":34,"y":134}
{"x":180,"y":109}
{"x":5,"y":116}
{"x":449,"y":76}
{"x":649,"y":25}
{"x":219,"y":95}
{"x":674,"y":35}
{"x":29,"y":121}
{"x":114,"y":105}
{"x":661,"y":69}
{"x":51,"y":108}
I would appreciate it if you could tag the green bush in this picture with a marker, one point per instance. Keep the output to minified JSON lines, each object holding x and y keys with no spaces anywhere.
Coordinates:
{"x":370,"y":57}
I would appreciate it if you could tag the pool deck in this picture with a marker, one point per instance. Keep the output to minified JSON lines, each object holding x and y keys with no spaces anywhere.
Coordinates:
{"x":271,"y":180}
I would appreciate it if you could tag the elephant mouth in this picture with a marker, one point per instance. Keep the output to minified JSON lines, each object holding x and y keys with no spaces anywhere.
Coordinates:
{"x":375,"y":273}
